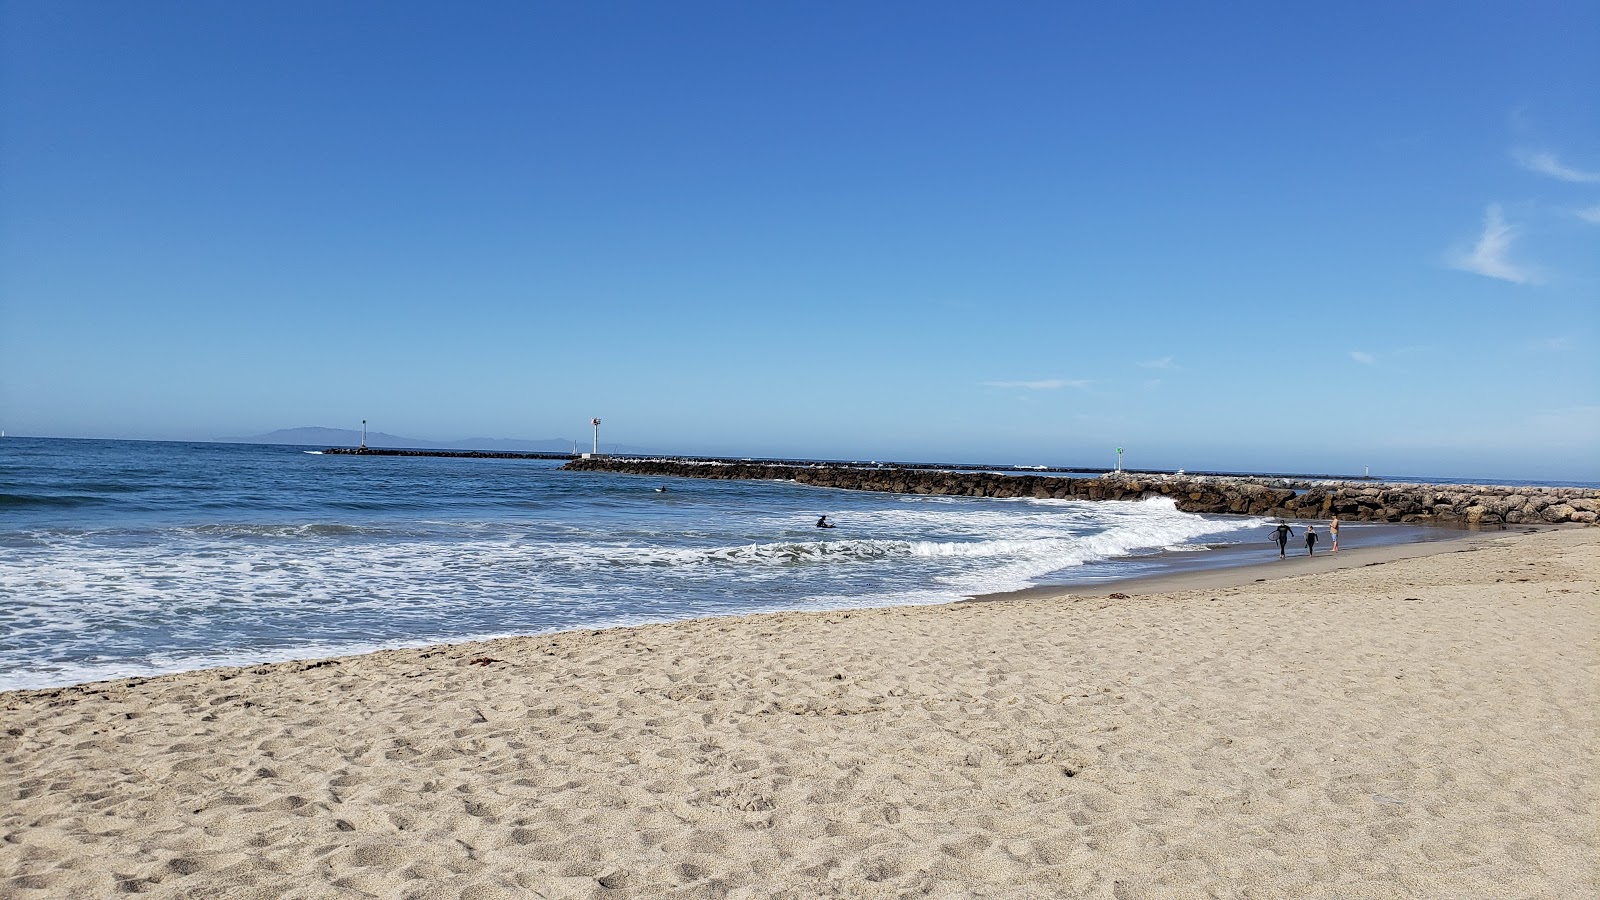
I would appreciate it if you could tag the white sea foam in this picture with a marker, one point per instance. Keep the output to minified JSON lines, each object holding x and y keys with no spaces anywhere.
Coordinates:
{"x":119,"y":559}
{"x":119,"y":602}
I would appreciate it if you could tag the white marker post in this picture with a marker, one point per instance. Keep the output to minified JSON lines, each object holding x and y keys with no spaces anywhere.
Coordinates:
{"x":1119,"y":460}
{"x":596,"y":424}
{"x":363,"y":434}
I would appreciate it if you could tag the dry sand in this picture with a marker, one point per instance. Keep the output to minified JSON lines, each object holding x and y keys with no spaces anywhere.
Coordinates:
{"x":1421,"y":727}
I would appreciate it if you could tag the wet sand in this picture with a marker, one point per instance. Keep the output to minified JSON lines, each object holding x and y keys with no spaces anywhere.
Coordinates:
{"x":1376,"y":725}
{"x":1247,"y":564}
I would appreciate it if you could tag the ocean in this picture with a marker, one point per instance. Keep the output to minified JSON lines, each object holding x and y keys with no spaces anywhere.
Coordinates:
{"x":136,"y":558}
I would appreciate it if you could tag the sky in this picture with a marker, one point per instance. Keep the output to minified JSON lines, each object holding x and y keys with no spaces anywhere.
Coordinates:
{"x":1269,"y":237}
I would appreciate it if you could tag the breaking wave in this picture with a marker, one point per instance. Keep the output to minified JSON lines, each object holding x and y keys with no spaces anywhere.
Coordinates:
{"x":302,"y":560}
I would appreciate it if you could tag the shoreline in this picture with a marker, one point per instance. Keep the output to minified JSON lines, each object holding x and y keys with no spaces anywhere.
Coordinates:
{"x":1265,"y":570}
{"x":1421,"y":726}
{"x":1174,"y":571}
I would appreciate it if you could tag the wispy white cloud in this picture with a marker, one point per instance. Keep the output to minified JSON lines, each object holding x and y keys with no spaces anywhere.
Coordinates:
{"x":1558,"y":344}
{"x":1547,"y":164}
{"x":1488,"y":256}
{"x":1164,"y":362}
{"x":1363,"y":357}
{"x":1048,"y":384}
{"x":1591,"y":215}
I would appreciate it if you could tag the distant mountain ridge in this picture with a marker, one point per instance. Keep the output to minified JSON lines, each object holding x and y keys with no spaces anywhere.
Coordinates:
{"x":349,"y":437}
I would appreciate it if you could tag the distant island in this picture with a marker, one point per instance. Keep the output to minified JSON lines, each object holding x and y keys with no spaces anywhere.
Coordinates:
{"x":350,"y":437}
{"x":341,"y":437}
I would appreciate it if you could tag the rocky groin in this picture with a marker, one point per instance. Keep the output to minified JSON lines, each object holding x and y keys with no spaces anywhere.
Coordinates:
{"x":1456,"y":505}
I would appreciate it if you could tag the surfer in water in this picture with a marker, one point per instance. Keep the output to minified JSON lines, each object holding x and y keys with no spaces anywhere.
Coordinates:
{"x":1281,"y":534}
{"x":824,"y":523}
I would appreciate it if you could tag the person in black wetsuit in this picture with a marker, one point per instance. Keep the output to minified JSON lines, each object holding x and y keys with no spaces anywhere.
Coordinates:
{"x":824,"y":523}
{"x":1281,"y":534}
{"x":1311,"y":540}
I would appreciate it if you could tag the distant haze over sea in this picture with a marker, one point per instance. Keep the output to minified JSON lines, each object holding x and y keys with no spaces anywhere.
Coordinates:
{"x":349,"y":437}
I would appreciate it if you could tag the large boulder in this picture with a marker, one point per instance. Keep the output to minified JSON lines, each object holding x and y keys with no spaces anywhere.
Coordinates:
{"x":1559,"y":512}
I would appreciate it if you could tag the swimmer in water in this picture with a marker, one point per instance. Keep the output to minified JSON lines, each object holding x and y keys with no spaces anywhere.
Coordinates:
{"x":824,"y":523}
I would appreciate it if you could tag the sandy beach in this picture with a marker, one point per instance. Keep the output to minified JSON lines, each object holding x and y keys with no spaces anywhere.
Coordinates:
{"x":1374,"y":725}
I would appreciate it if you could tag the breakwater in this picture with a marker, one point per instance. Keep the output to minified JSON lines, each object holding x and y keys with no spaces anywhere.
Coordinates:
{"x":1457,"y":505}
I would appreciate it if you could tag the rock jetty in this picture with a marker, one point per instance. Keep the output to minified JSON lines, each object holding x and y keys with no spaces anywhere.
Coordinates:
{"x":1455,"y":505}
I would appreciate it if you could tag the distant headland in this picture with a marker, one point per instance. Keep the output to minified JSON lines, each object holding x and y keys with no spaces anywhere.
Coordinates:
{"x":350,"y":437}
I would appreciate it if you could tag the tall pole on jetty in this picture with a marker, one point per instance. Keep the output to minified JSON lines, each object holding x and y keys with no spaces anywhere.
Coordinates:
{"x":1119,"y":460}
{"x":596,"y":424}
{"x":363,"y":434}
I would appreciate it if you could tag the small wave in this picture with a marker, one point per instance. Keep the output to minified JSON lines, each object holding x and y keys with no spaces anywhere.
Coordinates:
{"x":47,"y":500}
{"x":44,"y":675}
{"x":105,"y":487}
{"x":804,"y":552}
{"x":288,"y":531}
{"x":801,"y":552}
{"x":1039,"y":553}
{"x":787,"y":553}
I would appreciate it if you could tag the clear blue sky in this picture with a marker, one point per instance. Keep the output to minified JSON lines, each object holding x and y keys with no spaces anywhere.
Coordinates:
{"x":1258,"y":236}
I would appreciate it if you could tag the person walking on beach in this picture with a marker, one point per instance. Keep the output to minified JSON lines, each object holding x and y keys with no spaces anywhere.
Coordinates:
{"x":1281,"y":534}
{"x":1333,"y":532}
{"x":1311,"y":540}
